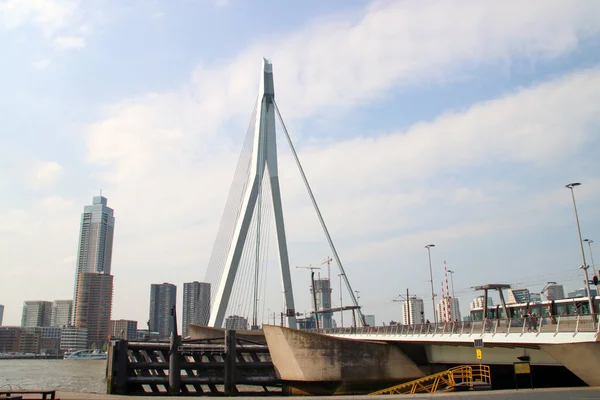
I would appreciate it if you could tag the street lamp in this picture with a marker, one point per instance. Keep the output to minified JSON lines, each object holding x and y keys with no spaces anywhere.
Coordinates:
{"x":584,"y":266}
{"x":428,"y":247}
{"x":589,"y":242}
{"x":451,"y":281}
{"x":341,"y":303}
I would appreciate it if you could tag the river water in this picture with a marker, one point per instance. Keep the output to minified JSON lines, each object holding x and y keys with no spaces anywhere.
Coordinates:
{"x":73,"y":375}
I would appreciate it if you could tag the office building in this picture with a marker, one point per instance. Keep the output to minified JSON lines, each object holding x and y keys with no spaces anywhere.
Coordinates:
{"x":36,"y":313}
{"x":413,"y":311}
{"x":50,"y":340}
{"x":323,"y":299}
{"x":94,"y":299}
{"x":73,"y":339}
{"x":582,"y":293}
{"x":163,"y":298}
{"x":9,"y":339}
{"x":306,"y":323}
{"x":123,"y":329}
{"x":478,"y":302}
{"x":145,"y":334}
{"x":518,"y":296}
{"x":62,"y":313}
{"x":94,"y":254}
{"x":236,"y":322}
{"x":196,"y":305}
{"x":29,"y":341}
{"x":535,"y":296}
{"x":555,"y":292}
{"x":1,"y":313}
{"x":448,"y":310}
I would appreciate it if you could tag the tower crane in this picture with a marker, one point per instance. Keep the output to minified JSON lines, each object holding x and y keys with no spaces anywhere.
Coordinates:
{"x":312,"y":280}
{"x":328,"y":262}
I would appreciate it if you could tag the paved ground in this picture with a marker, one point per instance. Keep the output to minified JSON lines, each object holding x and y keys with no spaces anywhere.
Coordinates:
{"x":524,"y":394}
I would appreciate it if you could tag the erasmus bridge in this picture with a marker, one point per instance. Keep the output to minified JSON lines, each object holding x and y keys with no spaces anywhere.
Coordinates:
{"x":237,"y":273}
{"x":237,"y":266}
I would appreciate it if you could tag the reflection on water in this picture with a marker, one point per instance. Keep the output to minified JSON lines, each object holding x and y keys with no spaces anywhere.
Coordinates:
{"x":73,"y":375}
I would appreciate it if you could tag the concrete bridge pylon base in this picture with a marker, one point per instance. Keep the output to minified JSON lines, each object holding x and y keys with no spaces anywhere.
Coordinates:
{"x":582,"y":359}
{"x":316,"y":364}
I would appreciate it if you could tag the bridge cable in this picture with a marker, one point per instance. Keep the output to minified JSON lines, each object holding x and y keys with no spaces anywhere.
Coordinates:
{"x":321,"y":220}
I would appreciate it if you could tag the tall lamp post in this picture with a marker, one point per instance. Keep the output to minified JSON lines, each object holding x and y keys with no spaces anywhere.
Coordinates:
{"x":341,"y":303}
{"x":428,"y":247}
{"x":589,"y":242}
{"x":584,"y":266}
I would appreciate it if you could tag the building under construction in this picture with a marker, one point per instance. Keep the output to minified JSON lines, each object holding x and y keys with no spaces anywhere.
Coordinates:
{"x":323,"y":299}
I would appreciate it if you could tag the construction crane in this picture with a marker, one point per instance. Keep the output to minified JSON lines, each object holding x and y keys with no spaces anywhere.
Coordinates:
{"x":312,"y":280}
{"x":328,"y":262}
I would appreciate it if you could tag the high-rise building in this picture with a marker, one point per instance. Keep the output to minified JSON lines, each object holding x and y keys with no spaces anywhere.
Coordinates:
{"x":555,"y":292}
{"x":236,"y":322}
{"x":448,"y":309}
{"x":413,"y":311}
{"x":518,"y":296}
{"x":94,"y":299}
{"x":123,"y":329}
{"x":36,"y":313}
{"x":1,"y":313}
{"x":163,"y":298}
{"x":62,"y":313}
{"x":323,"y":299}
{"x":478,"y":302}
{"x":196,"y":305}
{"x":94,"y":253}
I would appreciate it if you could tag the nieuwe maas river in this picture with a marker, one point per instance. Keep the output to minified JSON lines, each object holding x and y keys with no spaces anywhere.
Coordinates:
{"x":73,"y":375}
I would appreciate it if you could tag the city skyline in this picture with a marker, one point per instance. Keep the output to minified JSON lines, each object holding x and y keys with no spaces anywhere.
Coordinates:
{"x":441,"y":128}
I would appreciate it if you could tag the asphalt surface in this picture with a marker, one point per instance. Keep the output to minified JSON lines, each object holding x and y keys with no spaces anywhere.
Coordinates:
{"x":583,"y":393}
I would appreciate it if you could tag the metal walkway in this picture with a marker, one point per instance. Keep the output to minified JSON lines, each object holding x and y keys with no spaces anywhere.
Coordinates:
{"x":464,"y":377}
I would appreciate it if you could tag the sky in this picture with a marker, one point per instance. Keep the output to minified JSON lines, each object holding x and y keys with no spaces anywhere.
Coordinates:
{"x":454,"y":123}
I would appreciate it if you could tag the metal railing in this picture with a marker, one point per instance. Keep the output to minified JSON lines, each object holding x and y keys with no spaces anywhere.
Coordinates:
{"x":549,"y":324}
{"x":466,"y":376}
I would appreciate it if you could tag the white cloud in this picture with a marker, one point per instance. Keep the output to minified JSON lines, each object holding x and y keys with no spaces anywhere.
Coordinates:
{"x":48,"y":15}
{"x":70,"y":42}
{"x":45,"y":174}
{"x":41,"y":64}
{"x":59,"y":20}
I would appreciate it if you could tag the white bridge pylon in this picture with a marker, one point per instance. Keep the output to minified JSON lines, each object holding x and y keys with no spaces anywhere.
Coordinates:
{"x":264,"y":158}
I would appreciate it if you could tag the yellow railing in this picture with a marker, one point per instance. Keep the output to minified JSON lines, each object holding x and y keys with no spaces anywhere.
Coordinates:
{"x":464,"y":375}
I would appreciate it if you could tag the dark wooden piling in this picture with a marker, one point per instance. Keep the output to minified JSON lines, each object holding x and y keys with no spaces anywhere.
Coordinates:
{"x":174,"y":365}
{"x":116,"y":369}
{"x":184,"y":367}
{"x":230,"y":355}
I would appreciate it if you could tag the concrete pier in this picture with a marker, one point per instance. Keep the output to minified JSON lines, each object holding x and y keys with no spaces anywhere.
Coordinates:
{"x":311,"y":363}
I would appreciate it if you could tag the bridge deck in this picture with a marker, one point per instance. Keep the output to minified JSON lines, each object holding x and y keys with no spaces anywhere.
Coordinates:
{"x":547,"y":330}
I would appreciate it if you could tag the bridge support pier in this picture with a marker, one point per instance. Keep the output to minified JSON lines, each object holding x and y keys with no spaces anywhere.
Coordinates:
{"x":582,"y":359}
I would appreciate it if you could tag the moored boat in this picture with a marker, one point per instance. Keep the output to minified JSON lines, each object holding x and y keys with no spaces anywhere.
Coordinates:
{"x":86,"y":355}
